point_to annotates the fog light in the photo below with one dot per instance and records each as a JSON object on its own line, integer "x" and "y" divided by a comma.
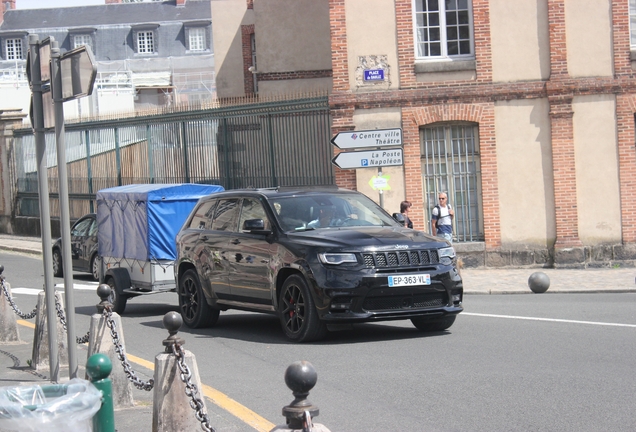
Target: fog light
{"x": 340, "y": 306}
{"x": 457, "y": 298}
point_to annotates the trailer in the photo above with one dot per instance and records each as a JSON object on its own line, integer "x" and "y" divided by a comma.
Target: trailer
{"x": 136, "y": 229}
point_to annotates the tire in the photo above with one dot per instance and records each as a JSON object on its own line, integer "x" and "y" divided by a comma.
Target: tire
{"x": 95, "y": 267}
{"x": 297, "y": 312}
{"x": 195, "y": 310}
{"x": 434, "y": 325}
{"x": 116, "y": 298}
{"x": 58, "y": 268}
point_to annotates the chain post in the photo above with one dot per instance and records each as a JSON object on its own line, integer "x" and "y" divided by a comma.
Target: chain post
{"x": 300, "y": 377}
{"x": 103, "y": 292}
{"x": 15, "y": 308}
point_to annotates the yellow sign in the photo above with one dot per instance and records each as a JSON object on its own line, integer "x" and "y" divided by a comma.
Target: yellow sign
{"x": 380, "y": 182}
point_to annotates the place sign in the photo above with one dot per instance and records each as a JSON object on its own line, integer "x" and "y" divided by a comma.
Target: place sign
{"x": 368, "y": 138}
{"x": 368, "y": 159}
{"x": 374, "y": 75}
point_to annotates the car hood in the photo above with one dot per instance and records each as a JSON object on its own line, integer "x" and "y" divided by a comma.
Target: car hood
{"x": 376, "y": 237}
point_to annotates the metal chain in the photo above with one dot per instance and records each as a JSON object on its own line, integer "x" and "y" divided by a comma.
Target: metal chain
{"x": 13, "y": 305}
{"x": 62, "y": 317}
{"x": 191, "y": 389}
{"x": 308, "y": 423}
{"x": 108, "y": 315}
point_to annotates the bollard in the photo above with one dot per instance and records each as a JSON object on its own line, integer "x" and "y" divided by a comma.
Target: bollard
{"x": 8, "y": 322}
{"x": 40, "y": 353}
{"x": 174, "y": 400}
{"x": 98, "y": 367}
{"x": 301, "y": 377}
{"x": 101, "y": 341}
{"x": 539, "y": 282}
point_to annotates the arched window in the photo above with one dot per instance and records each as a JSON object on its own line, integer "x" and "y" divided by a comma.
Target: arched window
{"x": 451, "y": 163}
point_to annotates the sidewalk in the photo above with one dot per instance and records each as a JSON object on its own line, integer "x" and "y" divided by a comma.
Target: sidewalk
{"x": 476, "y": 281}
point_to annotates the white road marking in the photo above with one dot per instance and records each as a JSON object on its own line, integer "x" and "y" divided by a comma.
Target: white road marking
{"x": 550, "y": 320}
{"x": 58, "y": 287}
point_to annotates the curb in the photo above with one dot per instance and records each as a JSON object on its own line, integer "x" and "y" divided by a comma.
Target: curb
{"x": 596, "y": 291}
{"x": 20, "y": 249}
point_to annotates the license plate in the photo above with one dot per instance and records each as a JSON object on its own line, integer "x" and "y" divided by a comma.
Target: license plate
{"x": 415, "y": 279}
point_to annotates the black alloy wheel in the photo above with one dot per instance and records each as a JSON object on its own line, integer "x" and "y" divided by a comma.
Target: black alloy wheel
{"x": 95, "y": 267}
{"x": 195, "y": 311}
{"x": 434, "y": 325}
{"x": 58, "y": 270}
{"x": 297, "y": 313}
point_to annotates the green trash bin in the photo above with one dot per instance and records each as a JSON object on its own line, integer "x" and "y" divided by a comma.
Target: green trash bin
{"x": 52, "y": 408}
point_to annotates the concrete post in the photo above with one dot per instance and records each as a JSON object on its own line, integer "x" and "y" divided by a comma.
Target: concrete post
{"x": 171, "y": 409}
{"x": 101, "y": 341}
{"x": 40, "y": 355}
{"x": 10, "y": 119}
{"x": 8, "y": 322}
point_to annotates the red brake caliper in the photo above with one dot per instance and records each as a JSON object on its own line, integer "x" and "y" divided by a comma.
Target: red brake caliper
{"x": 293, "y": 311}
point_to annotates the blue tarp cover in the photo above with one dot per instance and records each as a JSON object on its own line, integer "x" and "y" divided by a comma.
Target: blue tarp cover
{"x": 141, "y": 221}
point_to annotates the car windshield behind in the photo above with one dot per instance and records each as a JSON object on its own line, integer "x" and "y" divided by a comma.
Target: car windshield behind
{"x": 299, "y": 213}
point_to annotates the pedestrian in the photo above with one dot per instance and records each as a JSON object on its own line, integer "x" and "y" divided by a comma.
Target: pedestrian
{"x": 404, "y": 209}
{"x": 442, "y": 218}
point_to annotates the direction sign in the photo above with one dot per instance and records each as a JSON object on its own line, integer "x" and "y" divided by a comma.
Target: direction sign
{"x": 367, "y": 159}
{"x": 78, "y": 69}
{"x": 366, "y": 139}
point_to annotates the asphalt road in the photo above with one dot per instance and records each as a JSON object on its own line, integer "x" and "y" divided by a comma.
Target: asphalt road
{"x": 562, "y": 362}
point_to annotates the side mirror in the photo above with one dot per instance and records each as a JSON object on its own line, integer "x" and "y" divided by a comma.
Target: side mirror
{"x": 255, "y": 226}
{"x": 399, "y": 217}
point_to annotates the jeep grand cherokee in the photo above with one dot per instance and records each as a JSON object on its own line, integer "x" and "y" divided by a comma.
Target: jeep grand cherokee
{"x": 315, "y": 257}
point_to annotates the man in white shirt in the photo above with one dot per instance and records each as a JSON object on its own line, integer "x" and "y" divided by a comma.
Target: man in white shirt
{"x": 442, "y": 218}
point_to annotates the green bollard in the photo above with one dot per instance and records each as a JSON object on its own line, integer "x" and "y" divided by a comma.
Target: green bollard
{"x": 98, "y": 367}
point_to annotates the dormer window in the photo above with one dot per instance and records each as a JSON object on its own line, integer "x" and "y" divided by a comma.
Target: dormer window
{"x": 145, "y": 38}
{"x": 13, "y": 49}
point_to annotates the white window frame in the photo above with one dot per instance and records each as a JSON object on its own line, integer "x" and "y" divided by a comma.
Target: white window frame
{"x": 632, "y": 24}
{"x": 13, "y": 49}
{"x": 145, "y": 41}
{"x": 197, "y": 39}
{"x": 83, "y": 39}
{"x": 443, "y": 31}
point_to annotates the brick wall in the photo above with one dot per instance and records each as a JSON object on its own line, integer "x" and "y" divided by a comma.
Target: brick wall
{"x": 246, "y": 41}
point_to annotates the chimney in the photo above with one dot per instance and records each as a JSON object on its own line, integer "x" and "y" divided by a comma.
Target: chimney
{"x": 5, "y": 5}
{"x": 181, "y": 2}
{"x": 113, "y": 1}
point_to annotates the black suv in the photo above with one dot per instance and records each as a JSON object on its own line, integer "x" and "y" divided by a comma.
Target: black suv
{"x": 315, "y": 257}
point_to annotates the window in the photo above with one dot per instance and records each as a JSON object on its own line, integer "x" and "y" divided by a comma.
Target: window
{"x": 443, "y": 28}
{"x": 145, "y": 42}
{"x": 203, "y": 215}
{"x": 252, "y": 209}
{"x": 196, "y": 39}
{"x": 226, "y": 216}
{"x": 83, "y": 39}
{"x": 13, "y": 49}
{"x": 451, "y": 163}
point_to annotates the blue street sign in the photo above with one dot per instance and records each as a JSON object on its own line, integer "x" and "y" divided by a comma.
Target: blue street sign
{"x": 374, "y": 75}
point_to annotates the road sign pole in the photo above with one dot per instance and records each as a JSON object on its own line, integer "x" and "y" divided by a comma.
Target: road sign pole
{"x": 381, "y": 191}
{"x": 45, "y": 214}
{"x": 65, "y": 220}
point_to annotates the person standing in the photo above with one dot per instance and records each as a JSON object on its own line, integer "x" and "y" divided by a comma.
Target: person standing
{"x": 404, "y": 209}
{"x": 442, "y": 218}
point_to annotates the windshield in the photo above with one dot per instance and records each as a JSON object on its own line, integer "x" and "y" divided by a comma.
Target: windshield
{"x": 300, "y": 213}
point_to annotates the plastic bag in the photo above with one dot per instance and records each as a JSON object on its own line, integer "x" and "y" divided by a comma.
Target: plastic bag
{"x": 54, "y": 407}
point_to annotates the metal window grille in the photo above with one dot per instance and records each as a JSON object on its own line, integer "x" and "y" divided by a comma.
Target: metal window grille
{"x": 197, "y": 39}
{"x": 145, "y": 42}
{"x": 443, "y": 28}
{"x": 451, "y": 163}
{"x": 13, "y": 49}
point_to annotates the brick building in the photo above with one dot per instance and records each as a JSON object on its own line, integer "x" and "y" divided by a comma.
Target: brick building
{"x": 522, "y": 111}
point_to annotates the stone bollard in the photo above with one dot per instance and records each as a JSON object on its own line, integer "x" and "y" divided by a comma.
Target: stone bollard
{"x": 539, "y": 282}
{"x": 301, "y": 377}
{"x": 8, "y": 322}
{"x": 98, "y": 367}
{"x": 101, "y": 341}
{"x": 40, "y": 354}
{"x": 171, "y": 410}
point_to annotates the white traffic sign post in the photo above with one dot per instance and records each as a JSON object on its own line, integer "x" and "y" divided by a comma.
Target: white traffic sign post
{"x": 366, "y": 139}
{"x": 369, "y": 159}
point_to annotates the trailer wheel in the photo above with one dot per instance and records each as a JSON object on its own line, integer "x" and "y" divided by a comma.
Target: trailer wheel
{"x": 118, "y": 280}
{"x": 195, "y": 310}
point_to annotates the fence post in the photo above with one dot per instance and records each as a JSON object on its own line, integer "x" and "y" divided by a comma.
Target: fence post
{"x": 98, "y": 367}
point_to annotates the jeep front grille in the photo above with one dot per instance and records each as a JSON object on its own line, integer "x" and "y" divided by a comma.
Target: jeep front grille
{"x": 400, "y": 258}
{"x": 420, "y": 301}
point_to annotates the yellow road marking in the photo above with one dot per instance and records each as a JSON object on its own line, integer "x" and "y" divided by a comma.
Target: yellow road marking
{"x": 223, "y": 401}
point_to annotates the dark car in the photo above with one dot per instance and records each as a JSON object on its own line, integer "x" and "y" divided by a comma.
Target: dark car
{"x": 83, "y": 248}
{"x": 316, "y": 257}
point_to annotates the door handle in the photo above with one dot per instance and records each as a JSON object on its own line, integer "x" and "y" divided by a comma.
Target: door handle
{"x": 204, "y": 238}
{"x": 235, "y": 241}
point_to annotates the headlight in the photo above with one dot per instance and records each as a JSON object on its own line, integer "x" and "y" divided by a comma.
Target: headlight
{"x": 337, "y": 258}
{"x": 446, "y": 252}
